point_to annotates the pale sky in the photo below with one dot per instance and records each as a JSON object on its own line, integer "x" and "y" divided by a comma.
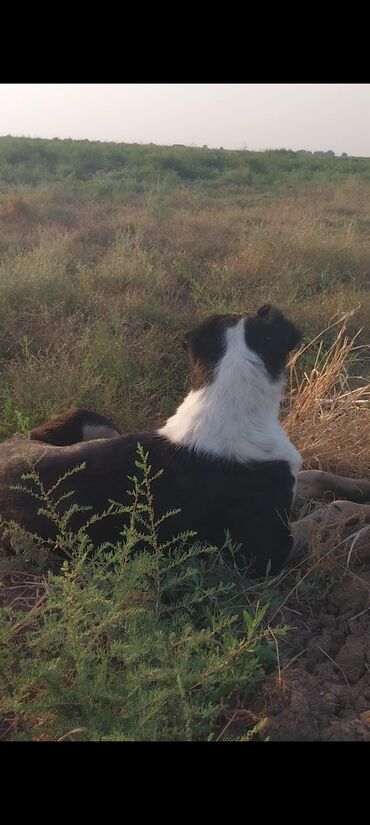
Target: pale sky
{"x": 237, "y": 115}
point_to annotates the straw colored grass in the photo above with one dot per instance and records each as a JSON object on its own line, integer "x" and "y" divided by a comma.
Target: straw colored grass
{"x": 327, "y": 414}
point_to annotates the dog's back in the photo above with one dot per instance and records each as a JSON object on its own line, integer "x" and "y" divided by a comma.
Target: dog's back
{"x": 252, "y": 502}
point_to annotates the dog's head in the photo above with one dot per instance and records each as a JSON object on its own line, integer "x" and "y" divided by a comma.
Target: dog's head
{"x": 266, "y": 337}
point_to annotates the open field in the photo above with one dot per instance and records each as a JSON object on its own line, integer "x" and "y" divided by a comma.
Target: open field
{"x": 107, "y": 254}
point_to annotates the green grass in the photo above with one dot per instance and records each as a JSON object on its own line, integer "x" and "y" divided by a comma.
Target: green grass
{"x": 127, "y": 643}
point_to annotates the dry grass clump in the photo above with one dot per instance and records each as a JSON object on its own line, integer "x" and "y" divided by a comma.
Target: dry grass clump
{"x": 327, "y": 415}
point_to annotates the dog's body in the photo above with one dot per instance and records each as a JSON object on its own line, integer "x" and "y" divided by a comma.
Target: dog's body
{"x": 252, "y": 502}
{"x": 227, "y": 463}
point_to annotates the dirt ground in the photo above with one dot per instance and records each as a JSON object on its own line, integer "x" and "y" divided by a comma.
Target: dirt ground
{"x": 322, "y": 690}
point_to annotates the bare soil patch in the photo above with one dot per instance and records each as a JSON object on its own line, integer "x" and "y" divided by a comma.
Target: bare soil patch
{"x": 322, "y": 690}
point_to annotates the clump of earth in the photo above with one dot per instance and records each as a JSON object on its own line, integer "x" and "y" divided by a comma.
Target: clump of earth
{"x": 322, "y": 689}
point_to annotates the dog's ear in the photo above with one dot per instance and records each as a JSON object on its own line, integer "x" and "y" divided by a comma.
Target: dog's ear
{"x": 264, "y": 310}
{"x": 272, "y": 336}
{"x": 205, "y": 345}
{"x": 283, "y": 332}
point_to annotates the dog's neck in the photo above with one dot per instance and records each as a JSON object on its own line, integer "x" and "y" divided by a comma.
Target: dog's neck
{"x": 235, "y": 416}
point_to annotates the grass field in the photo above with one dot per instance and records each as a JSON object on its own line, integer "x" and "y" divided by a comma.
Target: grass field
{"x": 107, "y": 254}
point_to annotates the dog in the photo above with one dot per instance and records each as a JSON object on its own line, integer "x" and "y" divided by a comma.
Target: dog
{"x": 227, "y": 463}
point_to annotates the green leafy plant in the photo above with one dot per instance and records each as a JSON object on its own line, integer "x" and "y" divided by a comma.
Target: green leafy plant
{"x": 142, "y": 640}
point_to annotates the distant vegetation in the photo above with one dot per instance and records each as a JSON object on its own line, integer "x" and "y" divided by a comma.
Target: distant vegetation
{"x": 121, "y": 168}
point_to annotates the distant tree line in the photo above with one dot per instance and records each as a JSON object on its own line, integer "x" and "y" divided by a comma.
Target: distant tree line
{"x": 320, "y": 154}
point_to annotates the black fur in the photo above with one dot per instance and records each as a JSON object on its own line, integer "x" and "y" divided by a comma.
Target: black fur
{"x": 252, "y": 502}
{"x": 268, "y": 333}
{"x": 205, "y": 345}
{"x": 272, "y": 336}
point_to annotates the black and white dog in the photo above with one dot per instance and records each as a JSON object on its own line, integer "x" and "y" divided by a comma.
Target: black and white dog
{"x": 227, "y": 463}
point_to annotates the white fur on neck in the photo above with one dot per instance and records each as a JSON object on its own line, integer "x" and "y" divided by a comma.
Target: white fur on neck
{"x": 236, "y": 415}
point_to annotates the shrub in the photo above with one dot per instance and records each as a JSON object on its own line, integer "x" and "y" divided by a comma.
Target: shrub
{"x": 137, "y": 641}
